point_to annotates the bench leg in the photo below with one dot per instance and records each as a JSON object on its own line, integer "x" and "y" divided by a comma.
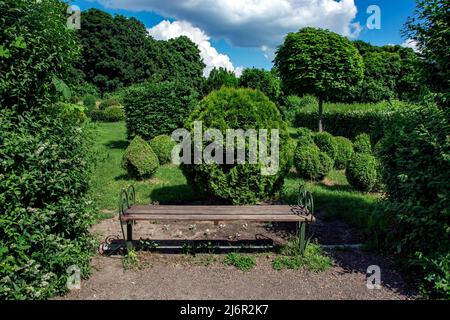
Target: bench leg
{"x": 302, "y": 236}
{"x": 129, "y": 236}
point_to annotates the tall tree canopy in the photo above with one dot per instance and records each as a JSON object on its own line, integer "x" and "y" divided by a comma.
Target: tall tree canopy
{"x": 319, "y": 62}
{"x": 220, "y": 77}
{"x": 266, "y": 81}
{"x": 430, "y": 28}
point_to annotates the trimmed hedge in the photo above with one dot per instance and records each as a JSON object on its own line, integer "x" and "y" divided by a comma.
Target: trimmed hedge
{"x": 344, "y": 152}
{"x": 111, "y": 114}
{"x": 311, "y": 163}
{"x": 416, "y": 173}
{"x": 154, "y": 109}
{"x": 105, "y": 104}
{"x": 230, "y": 108}
{"x": 139, "y": 159}
{"x": 348, "y": 124}
{"x": 326, "y": 143}
{"x": 362, "y": 172}
{"x": 163, "y": 146}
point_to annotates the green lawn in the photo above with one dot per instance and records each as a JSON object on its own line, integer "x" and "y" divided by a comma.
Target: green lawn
{"x": 333, "y": 196}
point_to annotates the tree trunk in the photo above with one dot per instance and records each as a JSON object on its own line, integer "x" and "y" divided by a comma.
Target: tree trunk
{"x": 320, "y": 113}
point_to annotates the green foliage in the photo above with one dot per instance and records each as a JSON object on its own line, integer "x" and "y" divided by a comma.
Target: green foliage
{"x": 362, "y": 144}
{"x": 111, "y": 102}
{"x": 130, "y": 260}
{"x": 416, "y": 172}
{"x": 304, "y": 136}
{"x": 154, "y": 109}
{"x": 90, "y": 102}
{"x": 263, "y": 80}
{"x": 72, "y": 112}
{"x": 311, "y": 163}
{"x": 44, "y": 154}
{"x": 350, "y": 120}
{"x": 430, "y": 27}
{"x": 163, "y": 146}
{"x": 242, "y": 262}
{"x": 230, "y": 108}
{"x": 362, "y": 172}
{"x": 344, "y": 152}
{"x": 326, "y": 143}
{"x": 295, "y": 104}
{"x": 219, "y": 78}
{"x": 313, "y": 259}
{"x": 110, "y": 114}
{"x": 139, "y": 159}
{"x": 30, "y": 60}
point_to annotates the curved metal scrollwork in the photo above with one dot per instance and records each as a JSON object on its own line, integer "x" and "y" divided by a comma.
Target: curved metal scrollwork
{"x": 127, "y": 198}
{"x": 305, "y": 200}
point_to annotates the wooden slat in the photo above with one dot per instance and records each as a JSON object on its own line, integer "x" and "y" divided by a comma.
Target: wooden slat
{"x": 216, "y": 217}
{"x": 213, "y": 210}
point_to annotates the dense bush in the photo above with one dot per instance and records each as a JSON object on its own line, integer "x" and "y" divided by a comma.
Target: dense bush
{"x": 416, "y": 172}
{"x": 344, "y": 152}
{"x": 220, "y": 77}
{"x": 111, "y": 102}
{"x": 110, "y": 114}
{"x": 311, "y": 163}
{"x": 90, "y": 102}
{"x": 263, "y": 80}
{"x": 163, "y": 146}
{"x": 72, "y": 112}
{"x": 294, "y": 104}
{"x": 244, "y": 109}
{"x": 139, "y": 159}
{"x": 305, "y": 136}
{"x": 326, "y": 143}
{"x": 153, "y": 109}
{"x": 362, "y": 144}
{"x": 362, "y": 172}
{"x": 44, "y": 155}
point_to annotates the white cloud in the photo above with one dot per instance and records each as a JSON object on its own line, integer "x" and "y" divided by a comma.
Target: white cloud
{"x": 252, "y": 23}
{"x": 410, "y": 43}
{"x": 168, "y": 30}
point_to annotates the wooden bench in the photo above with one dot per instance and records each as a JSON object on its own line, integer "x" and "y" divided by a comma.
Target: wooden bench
{"x": 302, "y": 213}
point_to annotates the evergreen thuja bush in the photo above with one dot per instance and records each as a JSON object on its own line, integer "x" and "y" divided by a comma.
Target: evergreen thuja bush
{"x": 230, "y": 108}
{"x": 139, "y": 159}
{"x": 163, "y": 146}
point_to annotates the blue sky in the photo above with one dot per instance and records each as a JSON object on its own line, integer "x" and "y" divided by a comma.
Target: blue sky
{"x": 244, "y": 33}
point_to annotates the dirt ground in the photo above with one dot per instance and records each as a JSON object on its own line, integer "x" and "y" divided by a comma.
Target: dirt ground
{"x": 204, "y": 276}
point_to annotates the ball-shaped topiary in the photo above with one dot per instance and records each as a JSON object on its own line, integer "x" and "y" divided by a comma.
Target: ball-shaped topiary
{"x": 139, "y": 159}
{"x": 305, "y": 136}
{"x": 344, "y": 152}
{"x": 311, "y": 163}
{"x": 362, "y": 172}
{"x": 162, "y": 146}
{"x": 326, "y": 143}
{"x": 244, "y": 109}
{"x": 362, "y": 144}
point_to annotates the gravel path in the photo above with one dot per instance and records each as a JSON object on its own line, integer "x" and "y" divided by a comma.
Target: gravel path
{"x": 177, "y": 276}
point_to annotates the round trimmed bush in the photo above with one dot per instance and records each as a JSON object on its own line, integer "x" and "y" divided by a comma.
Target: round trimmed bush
{"x": 305, "y": 136}
{"x": 362, "y": 172}
{"x": 231, "y": 108}
{"x": 326, "y": 143}
{"x": 344, "y": 152}
{"x": 163, "y": 146}
{"x": 111, "y": 114}
{"x": 311, "y": 163}
{"x": 139, "y": 159}
{"x": 362, "y": 144}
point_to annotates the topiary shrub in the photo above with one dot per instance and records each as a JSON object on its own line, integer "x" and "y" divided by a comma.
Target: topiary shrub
{"x": 163, "y": 146}
{"x": 139, "y": 159}
{"x": 108, "y": 103}
{"x": 362, "y": 144}
{"x": 326, "y": 143}
{"x": 311, "y": 163}
{"x": 344, "y": 152}
{"x": 89, "y": 102}
{"x": 153, "y": 109}
{"x": 362, "y": 173}
{"x": 305, "y": 136}
{"x": 416, "y": 173}
{"x": 230, "y": 108}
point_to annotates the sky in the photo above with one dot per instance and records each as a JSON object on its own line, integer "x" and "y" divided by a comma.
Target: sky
{"x": 238, "y": 34}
